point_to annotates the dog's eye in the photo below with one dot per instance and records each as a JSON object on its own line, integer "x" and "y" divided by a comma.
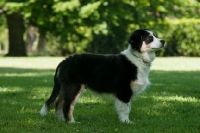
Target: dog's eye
{"x": 149, "y": 38}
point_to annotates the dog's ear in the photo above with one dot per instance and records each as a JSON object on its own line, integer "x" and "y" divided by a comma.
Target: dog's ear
{"x": 136, "y": 39}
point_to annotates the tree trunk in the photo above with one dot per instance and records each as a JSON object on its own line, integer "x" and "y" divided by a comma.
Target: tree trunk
{"x": 16, "y": 30}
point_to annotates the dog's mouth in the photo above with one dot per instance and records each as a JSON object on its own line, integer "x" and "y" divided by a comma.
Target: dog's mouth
{"x": 159, "y": 48}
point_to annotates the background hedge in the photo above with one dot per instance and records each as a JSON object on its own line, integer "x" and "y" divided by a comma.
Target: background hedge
{"x": 182, "y": 39}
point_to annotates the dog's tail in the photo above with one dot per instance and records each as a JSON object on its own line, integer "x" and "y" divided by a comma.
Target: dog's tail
{"x": 54, "y": 94}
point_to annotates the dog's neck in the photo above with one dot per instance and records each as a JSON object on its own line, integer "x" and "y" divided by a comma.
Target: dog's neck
{"x": 144, "y": 58}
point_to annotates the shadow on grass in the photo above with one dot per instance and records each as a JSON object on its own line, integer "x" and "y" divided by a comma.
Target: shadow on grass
{"x": 185, "y": 83}
{"x": 25, "y": 78}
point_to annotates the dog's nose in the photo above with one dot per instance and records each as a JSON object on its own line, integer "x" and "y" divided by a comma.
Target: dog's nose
{"x": 162, "y": 41}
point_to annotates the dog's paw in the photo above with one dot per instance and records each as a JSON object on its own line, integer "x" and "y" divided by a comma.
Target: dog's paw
{"x": 59, "y": 115}
{"x": 44, "y": 110}
{"x": 73, "y": 122}
{"x": 127, "y": 121}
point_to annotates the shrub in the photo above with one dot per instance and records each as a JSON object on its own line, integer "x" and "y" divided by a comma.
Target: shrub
{"x": 182, "y": 37}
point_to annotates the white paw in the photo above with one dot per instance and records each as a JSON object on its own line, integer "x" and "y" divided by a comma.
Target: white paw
{"x": 44, "y": 110}
{"x": 128, "y": 121}
{"x": 59, "y": 115}
{"x": 73, "y": 122}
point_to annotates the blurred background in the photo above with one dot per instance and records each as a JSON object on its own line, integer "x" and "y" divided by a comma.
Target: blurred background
{"x": 64, "y": 27}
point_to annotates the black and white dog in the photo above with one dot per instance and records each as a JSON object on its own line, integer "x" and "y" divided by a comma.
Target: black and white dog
{"x": 124, "y": 75}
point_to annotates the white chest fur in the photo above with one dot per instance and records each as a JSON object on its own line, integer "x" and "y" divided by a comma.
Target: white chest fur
{"x": 142, "y": 81}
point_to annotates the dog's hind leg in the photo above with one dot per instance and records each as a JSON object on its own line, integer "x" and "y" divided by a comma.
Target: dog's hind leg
{"x": 71, "y": 95}
{"x": 59, "y": 107}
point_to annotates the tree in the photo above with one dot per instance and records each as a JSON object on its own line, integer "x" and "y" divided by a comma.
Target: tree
{"x": 16, "y": 31}
{"x": 30, "y": 12}
{"x": 16, "y": 28}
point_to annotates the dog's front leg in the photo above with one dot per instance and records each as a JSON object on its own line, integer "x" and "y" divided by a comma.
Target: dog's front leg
{"x": 123, "y": 110}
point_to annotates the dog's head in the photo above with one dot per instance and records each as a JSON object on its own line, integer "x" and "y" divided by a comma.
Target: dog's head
{"x": 145, "y": 41}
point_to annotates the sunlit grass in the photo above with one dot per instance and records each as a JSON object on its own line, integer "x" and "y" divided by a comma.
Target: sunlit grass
{"x": 177, "y": 98}
{"x": 176, "y": 64}
{"x": 31, "y": 62}
{"x": 170, "y": 104}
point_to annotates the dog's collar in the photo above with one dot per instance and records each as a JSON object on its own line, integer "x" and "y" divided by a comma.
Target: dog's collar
{"x": 142, "y": 60}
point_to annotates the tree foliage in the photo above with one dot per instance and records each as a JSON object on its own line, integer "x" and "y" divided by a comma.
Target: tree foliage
{"x": 97, "y": 26}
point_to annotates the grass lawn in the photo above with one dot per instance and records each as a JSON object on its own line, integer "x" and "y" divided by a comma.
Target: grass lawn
{"x": 171, "y": 104}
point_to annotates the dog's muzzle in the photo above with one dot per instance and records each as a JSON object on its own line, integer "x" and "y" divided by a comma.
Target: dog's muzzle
{"x": 162, "y": 43}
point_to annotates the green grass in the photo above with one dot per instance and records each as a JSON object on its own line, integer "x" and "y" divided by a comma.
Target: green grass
{"x": 171, "y": 104}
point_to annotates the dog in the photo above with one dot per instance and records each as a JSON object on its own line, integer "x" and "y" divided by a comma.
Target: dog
{"x": 124, "y": 75}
